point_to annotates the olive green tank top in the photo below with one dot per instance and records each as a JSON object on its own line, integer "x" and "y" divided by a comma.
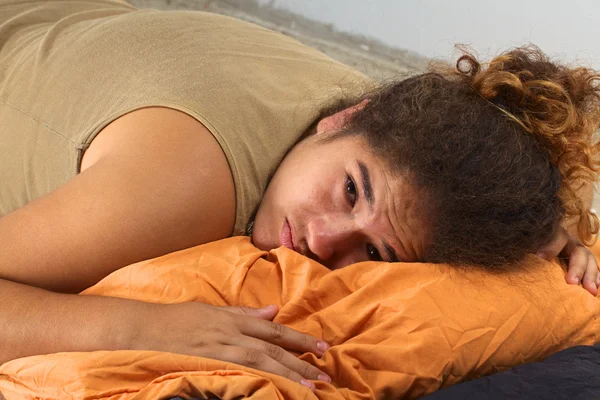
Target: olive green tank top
{"x": 68, "y": 68}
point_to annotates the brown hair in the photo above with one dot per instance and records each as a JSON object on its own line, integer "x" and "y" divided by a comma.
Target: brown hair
{"x": 498, "y": 151}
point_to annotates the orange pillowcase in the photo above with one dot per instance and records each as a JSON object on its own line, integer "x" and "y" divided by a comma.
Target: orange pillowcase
{"x": 403, "y": 329}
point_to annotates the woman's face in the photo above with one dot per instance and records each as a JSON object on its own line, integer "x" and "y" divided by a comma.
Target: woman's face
{"x": 335, "y": 202}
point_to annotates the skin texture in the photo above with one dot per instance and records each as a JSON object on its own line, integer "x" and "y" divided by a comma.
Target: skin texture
{"x": 501, "y": 147}
{"x": 156, "y": 181}
{"x": 326, "y": 205}
{"x": 151, "y": 178}
{"x": 582, "y": 267}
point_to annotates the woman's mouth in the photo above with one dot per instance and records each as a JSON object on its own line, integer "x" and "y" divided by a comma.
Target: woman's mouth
{"x": 285, "y": 236}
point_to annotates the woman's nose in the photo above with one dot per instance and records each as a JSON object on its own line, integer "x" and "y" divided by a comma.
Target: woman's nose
{"x": 331, "y": 236}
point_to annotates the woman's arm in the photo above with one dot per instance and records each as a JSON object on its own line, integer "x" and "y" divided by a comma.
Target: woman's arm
{"x": 36, "y": 321}
{"x": 155, "y": 181}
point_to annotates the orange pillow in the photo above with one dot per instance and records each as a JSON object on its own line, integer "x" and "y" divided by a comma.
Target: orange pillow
{"x": 403, "y": 329}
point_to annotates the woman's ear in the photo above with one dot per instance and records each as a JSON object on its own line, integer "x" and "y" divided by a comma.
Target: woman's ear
{"x": 337, "y": 121}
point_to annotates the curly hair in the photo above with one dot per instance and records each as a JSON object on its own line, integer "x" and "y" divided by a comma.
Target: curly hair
{"x": 499, "y": 151}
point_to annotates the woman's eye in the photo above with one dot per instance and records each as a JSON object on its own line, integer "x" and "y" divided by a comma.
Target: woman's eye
{"x": 350, "y": 190}
{"x": 373, "y": 253}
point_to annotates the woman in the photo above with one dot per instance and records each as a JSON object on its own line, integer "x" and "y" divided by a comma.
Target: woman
{"x": 130, "y": 134}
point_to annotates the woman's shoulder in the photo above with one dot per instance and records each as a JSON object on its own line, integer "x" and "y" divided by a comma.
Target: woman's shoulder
{"x": 174, "y": 170}
{"x": 155, "y": 129}
{"x": 156, "y": 181}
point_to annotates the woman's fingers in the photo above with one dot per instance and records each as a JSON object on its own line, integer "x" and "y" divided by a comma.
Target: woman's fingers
{"x": 578, "y": 262}
{"x": 582, "y": 267}
{"x": 268, "y": 312}
{"x": 242, "y": 335}
{"x": 269, "y": 338}
{"x": 260, "y": 326}
{"x": 591, "y": 275}
{"x": 256, "y": 359}
{"x": 282, "y": 336}
{"x": 261, "y": 346}
{"x": 277, "y": 353}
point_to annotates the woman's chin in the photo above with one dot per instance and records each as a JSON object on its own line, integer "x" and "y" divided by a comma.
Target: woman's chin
{"x": 260, "y": 241}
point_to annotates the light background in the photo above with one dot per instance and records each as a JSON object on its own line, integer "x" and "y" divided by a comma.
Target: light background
{"x": 569, "y": 30}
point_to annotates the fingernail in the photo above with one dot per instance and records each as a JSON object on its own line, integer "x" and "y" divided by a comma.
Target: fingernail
{"x": 543, "y": 255}
{"x": 323, "y": 377}
{"x": 270, "y": 307}
{"x": 308, "y": 384}
{"x": 322, "y": 346}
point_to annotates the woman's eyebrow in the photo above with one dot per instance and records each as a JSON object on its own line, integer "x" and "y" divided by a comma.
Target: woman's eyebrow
{"x": 368, "y": 193}
{"x": 366, "y": 183}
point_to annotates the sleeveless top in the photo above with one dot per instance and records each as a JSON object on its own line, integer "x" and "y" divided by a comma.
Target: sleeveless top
{"x": 70, "y": 67}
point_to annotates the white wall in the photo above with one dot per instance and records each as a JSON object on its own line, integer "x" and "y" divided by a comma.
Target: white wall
{"x": 568, "y": 29}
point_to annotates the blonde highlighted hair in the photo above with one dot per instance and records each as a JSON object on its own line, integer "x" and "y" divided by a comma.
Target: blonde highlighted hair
{"x": 559, "y": 106}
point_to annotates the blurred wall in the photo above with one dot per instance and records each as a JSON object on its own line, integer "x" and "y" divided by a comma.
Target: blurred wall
{"x": 569, "y": 30}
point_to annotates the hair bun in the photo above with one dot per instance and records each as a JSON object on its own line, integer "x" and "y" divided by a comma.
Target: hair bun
{"x": 557, "y": 104}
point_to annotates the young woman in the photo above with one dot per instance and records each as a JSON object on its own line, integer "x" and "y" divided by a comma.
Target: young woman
{"x": 128, "y": 134}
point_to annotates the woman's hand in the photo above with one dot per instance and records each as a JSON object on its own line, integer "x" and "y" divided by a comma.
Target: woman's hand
{"x": 242, "y": 335}
{"x": 582, "y": 266}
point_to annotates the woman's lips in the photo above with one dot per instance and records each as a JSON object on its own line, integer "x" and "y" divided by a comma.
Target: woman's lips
{"x": 285, "y": 237}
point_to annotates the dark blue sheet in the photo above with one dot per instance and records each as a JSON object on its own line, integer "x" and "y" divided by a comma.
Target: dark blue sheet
{"x": 570, "y": 374}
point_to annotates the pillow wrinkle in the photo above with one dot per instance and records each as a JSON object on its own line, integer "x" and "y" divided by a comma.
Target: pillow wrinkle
{"x": 406, "y": 329}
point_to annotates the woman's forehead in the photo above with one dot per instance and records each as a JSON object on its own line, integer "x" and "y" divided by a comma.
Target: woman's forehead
{"x": 398, "y": 204}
